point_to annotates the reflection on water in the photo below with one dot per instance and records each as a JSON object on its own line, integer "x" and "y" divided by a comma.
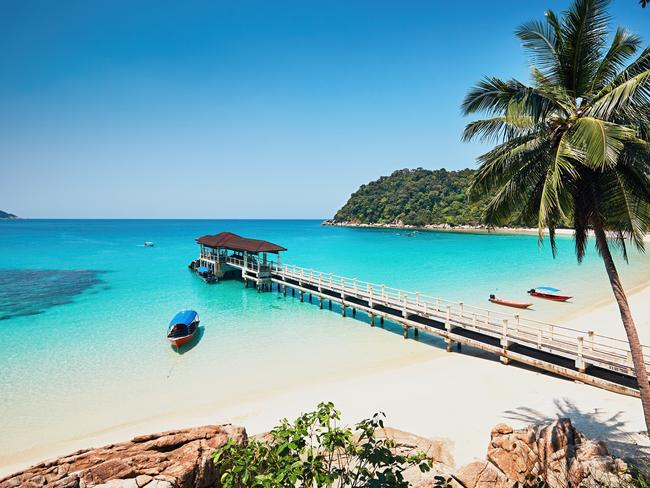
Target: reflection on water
{"x": 30, "y": 292}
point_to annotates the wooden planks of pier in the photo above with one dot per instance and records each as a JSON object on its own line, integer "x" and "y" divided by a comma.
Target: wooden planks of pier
{"x": 583, "y": 356}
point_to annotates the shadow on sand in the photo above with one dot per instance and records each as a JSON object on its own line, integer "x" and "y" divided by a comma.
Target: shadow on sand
{"x": 185, "y": 348}
{"x": 595, "y": 424}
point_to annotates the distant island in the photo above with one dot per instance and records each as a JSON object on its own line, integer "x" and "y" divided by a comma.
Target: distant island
{"x": 5, "y": 215}
{"x": 413, "y": 197}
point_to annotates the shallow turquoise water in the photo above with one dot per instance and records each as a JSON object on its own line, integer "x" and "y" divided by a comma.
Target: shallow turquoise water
{"x": 84, "y": 307}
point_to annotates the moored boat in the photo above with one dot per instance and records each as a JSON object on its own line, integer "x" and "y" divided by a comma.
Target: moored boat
{"x": 206, "y": 274}
{"x": 182, "y": 327}
{"x": 509, "y": 303}
{"x": 548, "y": 293}
{"x": 148, "y": 244}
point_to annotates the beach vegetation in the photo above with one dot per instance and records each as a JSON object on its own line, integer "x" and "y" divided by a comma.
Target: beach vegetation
{"x": 573, "y": 144}
{"x": 315, "y": 450}
{"x": 415, "y": 197}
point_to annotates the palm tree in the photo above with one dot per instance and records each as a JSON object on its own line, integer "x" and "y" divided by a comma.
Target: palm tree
{"x": 572, "y": 147}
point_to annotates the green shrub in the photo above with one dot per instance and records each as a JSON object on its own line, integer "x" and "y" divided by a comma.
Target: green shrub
{"x": 315, "y": 451}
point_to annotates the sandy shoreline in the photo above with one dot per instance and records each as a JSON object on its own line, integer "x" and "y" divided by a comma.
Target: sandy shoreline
{"x": 462, "y": 229}
{"x": 454, "y": 396}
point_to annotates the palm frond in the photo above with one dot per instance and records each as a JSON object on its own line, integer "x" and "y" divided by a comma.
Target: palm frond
{"x": 584, "y": 30}
{"x": 498, "y": 128}
{"x": 615, "y": 100}
{"x": 601, "y": 141}
{"x": 541, "y": 41}
{"x": 623, "y": 46}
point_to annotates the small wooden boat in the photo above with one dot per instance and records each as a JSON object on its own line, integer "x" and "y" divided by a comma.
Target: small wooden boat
{"x": 182, "y": 327}
{"x": 205, "y": 274}
{"x": 509, "y": 303}
{"x": 548, "y": 293}
{"x": 148, "y": 244}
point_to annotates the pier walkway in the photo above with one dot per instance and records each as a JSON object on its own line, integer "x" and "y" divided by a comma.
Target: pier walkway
{"x": 584, "y": 356}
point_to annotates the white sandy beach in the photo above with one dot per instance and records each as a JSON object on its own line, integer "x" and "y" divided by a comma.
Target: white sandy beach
{"x": 450, "y": 395}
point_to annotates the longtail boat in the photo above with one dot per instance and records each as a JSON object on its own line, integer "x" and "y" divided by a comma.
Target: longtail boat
{"x": 548, "y": 293}
{"x": 182, "y": 327}
{"x": 509, "y": 303}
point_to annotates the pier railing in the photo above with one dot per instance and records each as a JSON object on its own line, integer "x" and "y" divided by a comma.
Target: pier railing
{"x": 584, "y": 347}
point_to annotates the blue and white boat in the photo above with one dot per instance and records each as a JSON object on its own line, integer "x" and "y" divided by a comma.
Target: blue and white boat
{"x": 182, "y": 327}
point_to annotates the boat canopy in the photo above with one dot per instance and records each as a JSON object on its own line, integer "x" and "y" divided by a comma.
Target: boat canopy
{"x": 202, "y": 269}
{"x": 185, "y": 317}
{"x": 547, "y": 288}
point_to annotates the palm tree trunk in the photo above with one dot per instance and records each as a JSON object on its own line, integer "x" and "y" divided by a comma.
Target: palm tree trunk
{"x": 628, "y": 323}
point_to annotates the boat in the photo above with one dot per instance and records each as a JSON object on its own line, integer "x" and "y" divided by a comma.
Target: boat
{"x": 182, "y": 327}
{"x": 148, "y": 244}
{"x": 548, "y": 293}
{"x": 509, "y": 303}
{"x": 205, "y": 274}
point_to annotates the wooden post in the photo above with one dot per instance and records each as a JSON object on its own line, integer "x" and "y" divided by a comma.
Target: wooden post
{"x": 381, "y": 320}
{"x": 504, "y": 342}
{"x": 590, "y": 334}
{"x": 448, "y": 318}
{"x": 354, "y": 312}
{"x": 284, "y": 290}
{"x": 461, "y": 309}
{"x": 406, "y": 331}
{"x": 580, "y": 363}
{"x": 310, "y": 297}
{"x": 416, "y": 332}
{"x": 372, "y": 320}
{"x": 293, "y": 292}
{"x": 330, "y": 304}
{"x": 320, "y": 303}
{"x": 302, "y": 297}
{"x": 343, "y": 312}
{"x": 449, "y": 344}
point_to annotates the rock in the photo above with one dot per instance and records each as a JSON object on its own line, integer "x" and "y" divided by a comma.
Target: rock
{"x": 482, "y": 474}
{"x": 557, "y": 453}
{"x": 173, "y": 459}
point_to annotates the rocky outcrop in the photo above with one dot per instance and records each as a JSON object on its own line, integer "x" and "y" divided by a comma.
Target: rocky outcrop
{"x": 174, "y": 459}
{"x": 556, "y": 453}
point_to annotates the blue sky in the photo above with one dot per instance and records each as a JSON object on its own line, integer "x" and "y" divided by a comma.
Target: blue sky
{"x": 241, "y": 109}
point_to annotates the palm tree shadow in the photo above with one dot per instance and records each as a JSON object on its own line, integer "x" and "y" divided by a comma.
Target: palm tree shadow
{"x": 597, "y": 424}
{"x": 187, "y": 347}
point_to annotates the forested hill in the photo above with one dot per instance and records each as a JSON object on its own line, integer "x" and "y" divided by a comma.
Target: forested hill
{"x": 414, "y": 197}
{"x": 5, "y": 215}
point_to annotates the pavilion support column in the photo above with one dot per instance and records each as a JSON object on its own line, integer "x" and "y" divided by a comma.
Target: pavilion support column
{"x": 293, "y": 292}
{"x": 381, "y": 320}
{"x": 330, "y": 304}
{"x": 284, "y": 290}
{"x": 458, "y": 346}
{"x": 310, "y": 298}
{"x": 343, "y": 311}
{"x": 354, "y": 312}
{"x": 320, "y": 303}
{"x": 302, "y": 296}
{"x": 405, "y": 328}
{"x": 416, "y": 332}
{"x": 450, "y": 343}
{"x": 372, "y": 320}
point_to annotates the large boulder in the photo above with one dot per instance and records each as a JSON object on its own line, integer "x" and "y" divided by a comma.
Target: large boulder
{"x": 173, "y": 459}
{"x": 557, "y": 453}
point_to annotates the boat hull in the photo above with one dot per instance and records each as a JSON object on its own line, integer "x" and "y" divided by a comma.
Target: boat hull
{"x": 509, "y": 303}
{"x": 549, "y": 296}
{"x": 179, "y": 341}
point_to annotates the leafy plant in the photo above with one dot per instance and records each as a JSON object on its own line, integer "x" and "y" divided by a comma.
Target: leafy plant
{"x": 315, "y": 451}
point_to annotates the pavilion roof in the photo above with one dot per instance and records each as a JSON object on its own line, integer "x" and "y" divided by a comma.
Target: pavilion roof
{"x": 232, "y": 241}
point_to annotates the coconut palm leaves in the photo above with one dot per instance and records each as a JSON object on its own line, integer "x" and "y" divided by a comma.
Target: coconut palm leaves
{"x": 573, "y": 146}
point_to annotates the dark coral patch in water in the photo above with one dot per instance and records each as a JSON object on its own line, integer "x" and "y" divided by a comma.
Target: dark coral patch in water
{"x": 30, "y": 292}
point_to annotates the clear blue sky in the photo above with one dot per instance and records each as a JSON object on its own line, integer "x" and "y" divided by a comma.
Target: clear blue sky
{"x": 269, "y": 109}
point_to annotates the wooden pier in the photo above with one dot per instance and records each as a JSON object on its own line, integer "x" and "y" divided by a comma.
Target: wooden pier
{"x": 583, "y": 356}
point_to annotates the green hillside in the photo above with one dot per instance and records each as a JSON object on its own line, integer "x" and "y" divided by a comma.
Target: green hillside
{"x": 414, "y": 197}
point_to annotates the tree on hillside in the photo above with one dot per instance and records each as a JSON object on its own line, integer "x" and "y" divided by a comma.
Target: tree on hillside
{"x": 573, "y": 146}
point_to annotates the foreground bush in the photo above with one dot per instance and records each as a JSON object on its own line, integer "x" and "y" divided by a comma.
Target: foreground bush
{"x": 314, "y": 451}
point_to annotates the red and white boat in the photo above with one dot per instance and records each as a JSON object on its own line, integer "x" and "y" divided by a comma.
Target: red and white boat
{"x": 182, "y": 327}
{"x": 509, "y": 303}
{"x": 548, "y": 293}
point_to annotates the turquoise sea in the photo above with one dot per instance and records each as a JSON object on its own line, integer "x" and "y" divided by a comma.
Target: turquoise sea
{"x": 84, "y": 308}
